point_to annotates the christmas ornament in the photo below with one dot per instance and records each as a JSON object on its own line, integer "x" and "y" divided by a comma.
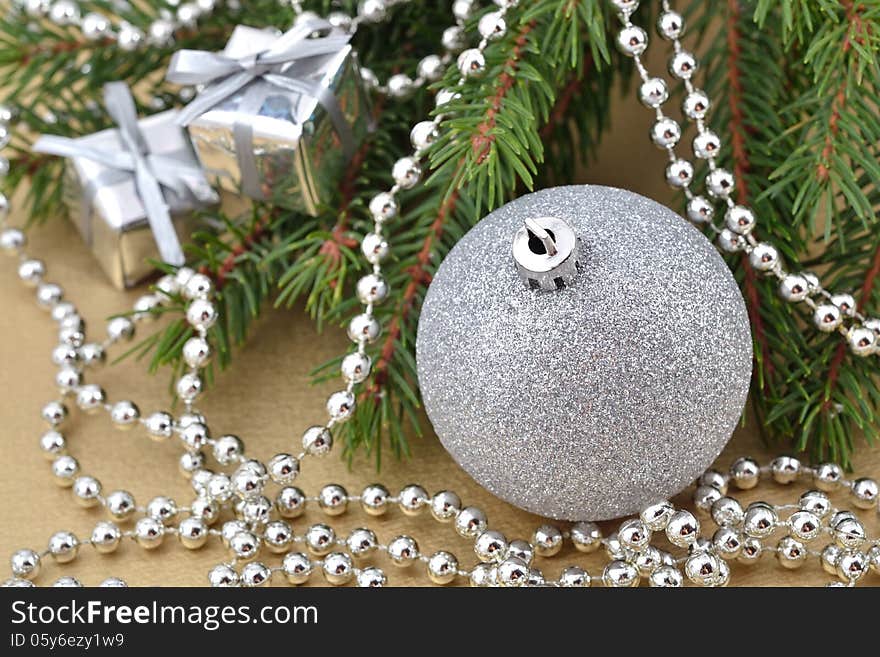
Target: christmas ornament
{"x": 280, "y": 116}
{"x": 601, "y": 366}
{"x": 132, "y": 190}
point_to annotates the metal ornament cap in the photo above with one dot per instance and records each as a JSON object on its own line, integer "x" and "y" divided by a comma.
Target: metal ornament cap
{"x": 591, "y": 401}
{"x": 547, "y": 253}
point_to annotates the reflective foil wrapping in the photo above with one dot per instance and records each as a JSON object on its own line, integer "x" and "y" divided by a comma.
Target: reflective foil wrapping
{"x": 591, "y": 401}
{"x": 297, "y": 151}
{"x": 106, "y": 208}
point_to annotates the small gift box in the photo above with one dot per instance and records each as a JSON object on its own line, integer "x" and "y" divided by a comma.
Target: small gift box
{"x": 132, "y": 190}
{"x": 279, "y": 115}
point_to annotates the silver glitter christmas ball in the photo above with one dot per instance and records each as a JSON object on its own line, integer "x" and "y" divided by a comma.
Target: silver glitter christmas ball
{"x": 588, "y": 388}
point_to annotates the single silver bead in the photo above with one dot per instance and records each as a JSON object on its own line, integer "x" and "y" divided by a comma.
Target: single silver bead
{"x": 850, "y": 534}
{"x": 65, "y": 469}
{"x": 706, "y": 145}
{"x": 403, "y": 551}
{"x": 149, "y": 533}
{"x": 471, "y": 62}
{"x": 192, "y": 532}
{"x": 25, "y": 564}
{"x": 431, "y": 68}
{"x": 829, "y": 558}
{"x": 223, "y": 575}
{"x": 199, "y": 481}
{"x": 374, "y": 499}
{"x": 219, "y": 488}
{"x": 827, "y": 317}
{"x": 760, "y": 520}
{"x": 445, "y": 506}
{"x": 320, "y": 538}
{"x": 196, "y": 352}
{"x": 245, "y": 545}
{"x": 372, "y": 11}
{"x": 574, "y": 577}
{"x": 383, "y": 206}
{"x": 491, "y": 546}
{"x": 614, "y": 548}
{"x": 160, "y": 33}
{"x": 230, "y": 528}
{"x": 372, "y": 288}
{"x": 839, "y": 516}
{"x": 333, "y": 499}
{"x": 665, "y": 133}
{"x": 683, "y": 65}
{"x": 633, "y": 535}
{"x": 290, "y": 502}
{"x": 92, "y": 354}
{"x": 670, "y": 25}
{"x": 413, "y": 499}
{"x": 64, "y": 354}
{"x": 513, "y": 572}
{"x": 400, "y": 85}
{"x": 679, "y": 173}
{"x": 62, "y": 310}
{"x": 446, "y": 96}
{"x": 375, "y": 248}
{"x": 297, "y": 567}
{"x": 703, "y": 568}
{"x": 653, "y": 92}
{"x": 827, "y": 476}
{"x": 54, "y": 413}
{"x": 124, "y": 414}
{"x": 483, "y": 575}
{"x": 865, "y": 492}
{"x": 741, "y": 220}
{"x": 720, "y": 183}
{"x": 340, "y": 20}
{"x": 48, "y": 294}
{"x": 369, "y": 78}
{"x": 195, "y": 436}
{"x": 87, "y": 491}
{"x": 120, "y": 329}
{"x": 632, "y": 40}
{"x": 463, "y": 9}
{"x": 794, "y": 288}
{"x": 355, "y": 368}
{"x": 682, "y": 529}
{"x": 791, "y": 553}
{"x": 163, "y": 509}
{"x": 64, "y": 12}
{"x": 363, "y": 328}
{"x": 547, "y": 540}
{"x": 492, "y": 26}
{"x": 666, "y": 577}
{"x": 362, "y": 542}
{"x": 63, "y": 546}
{"x": 278, "y": 536}
{"x": 785, "y": 469}
{"x": 72, "y": 321}
{"x": 846, "y": 303}
{"x": 587, "y": 537}
{"x": 625, "y": 7}
{"x": 106, "y": 537}
{"x": 255, "y": 510}
{"x": 167, "y": 286}
{"x": 406, "y": 172}
{"x": 12, "y": 241}
{"x": 522, "y": 550}
{"x": 188, "y": 14}
{"x": 874, "y": 558}
{"x": 727, "y": 512}
{"x": 120, "y": 504}
{"x": 705, "y": 497}
{"x": 647, "y": 560}
{"x": 862, "y": 340}
{"x": 67, "y": 582}
{"x": 442, "y": 567}
{"x": 340, "y": 405}
{"x": 371, "y": 578}
{"x": 852, "y": 566}
{"x": 145, "y": 307}
{"x": 31, "y": 272}
{"x": 316, "y": 440}
{"x": 201, "y": 314}
{"x": 470, "y": 522}
{"x": 804, "y": 525}
{"x": 815, "y": 502}
{"x": 620, "y": 574}
{"x": 90, "y": 398}
{"x": 727, "y": 543}
{"x": 189, "y": 386}
{"x": 714, "y": 479}
{"x": 71, "y": 336}
{"x": 67, "y": 379}
{"x": 751, "y": 550}
{"x": 228, "y": 449}
{"x": 423, "y": 134}
{"x": 129, "y": 37}
{"x": 283, "y": 469}
{"x": 453, "y": 39}
{"x": 745, "y": 473}
{"x": 255, "y": 574}
{"x": 52, "y": 443}
{"x": 113, "y": 583}
{"x": 337, "y": 568}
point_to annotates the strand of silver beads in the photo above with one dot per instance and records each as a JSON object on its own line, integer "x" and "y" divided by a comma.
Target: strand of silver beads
{"x": 831, "y": 312}
{"x": 510, "y": 565}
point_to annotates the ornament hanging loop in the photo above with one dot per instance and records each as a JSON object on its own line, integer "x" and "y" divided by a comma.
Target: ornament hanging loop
{"x": 547, "y": 253}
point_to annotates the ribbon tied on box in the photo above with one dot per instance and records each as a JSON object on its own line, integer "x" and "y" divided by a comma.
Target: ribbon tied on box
{"x": 151, "y": 172}
{"x": 286, "y": 62}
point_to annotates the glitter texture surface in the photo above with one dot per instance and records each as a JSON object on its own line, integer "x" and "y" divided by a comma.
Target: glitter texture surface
{"x": 591, "y": 401}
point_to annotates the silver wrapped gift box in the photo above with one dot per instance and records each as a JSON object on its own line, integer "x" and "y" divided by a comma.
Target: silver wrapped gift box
{"x": 104, "y": 188}
{"x": 279, "y": 116}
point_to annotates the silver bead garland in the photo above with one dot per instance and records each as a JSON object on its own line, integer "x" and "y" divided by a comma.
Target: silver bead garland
{"x": 262, "y": 525}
